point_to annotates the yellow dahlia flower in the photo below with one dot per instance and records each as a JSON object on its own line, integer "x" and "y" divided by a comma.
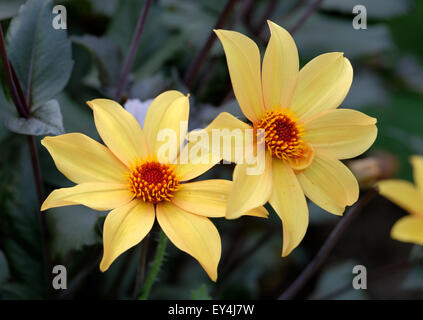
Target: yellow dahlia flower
{"x": 410, "y": 198}
{"x": 133, "y": 179}
{"x": 305, "y": 134}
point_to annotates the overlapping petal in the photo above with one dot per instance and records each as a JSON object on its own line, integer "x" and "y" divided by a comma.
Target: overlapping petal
{"x": 119, "y": 130}
{"x": 208, "y": 198}
{"x": 243, "y": 58}
{"x": 280, "y": 68}
{"x": 322, "y": 84}
{"x": 289, "y": 202}
{"x": 124, "y": 228}
{"x": 166, "y": 124}
{"x": 96, "y": 195}
{"x": 193, "y": 234}
{"x": 82, "y": 159}
{"x": 342, "y": 133}
{"x": 192, "y": 162}
{"x": 408, "y": 229}
{"x": 249, "y": 190}
{"x": 226, "y": 137}
{"x": 403, "y": 194}
{"x": 329, "y": 184}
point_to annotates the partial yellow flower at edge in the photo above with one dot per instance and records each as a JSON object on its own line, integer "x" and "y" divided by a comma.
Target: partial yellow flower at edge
{"x": 410, "y": 198}
{"x": 306, "y": 135}
{"x": 126, "y": 177}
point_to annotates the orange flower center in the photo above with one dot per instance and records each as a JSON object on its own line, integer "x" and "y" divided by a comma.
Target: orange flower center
{"x": 153, "y": 181}
{"x": 282, "y": 137}
{"x": 282, "y": 134}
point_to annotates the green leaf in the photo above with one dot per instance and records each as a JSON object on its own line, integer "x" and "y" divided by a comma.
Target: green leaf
{"x": 19, "y": 213}
{"x": 9, "y": 8}
{"x": 40, "y": 54}
{"x": 202, "y": 293}
{"x": 46, "y": 119}
{"x": 71, "y": 228}
{"x": 107, "y": 56}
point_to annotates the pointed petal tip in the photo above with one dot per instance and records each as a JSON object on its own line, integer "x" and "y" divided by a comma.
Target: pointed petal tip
{"x": 93, "y": 102}
{"x": 272, "y": 25}
{"x": 286, "y": 251}
{"x": 221, "y": 32}
{"x": 45, "y": 140}
{"x": 90, "y": 104}
{"x": 103, "y": 266}
{"x": 44, "y": 207}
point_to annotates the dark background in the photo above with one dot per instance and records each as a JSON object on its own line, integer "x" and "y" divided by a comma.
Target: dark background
{"x": 387, "y": 58}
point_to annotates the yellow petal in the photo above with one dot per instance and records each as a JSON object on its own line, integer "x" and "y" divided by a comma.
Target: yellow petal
{"x": 408, "y": 229}
{"x": 417, "y": 163}
{"x": 280, "y": 68}
{"x": 403, "y": 194}
{"x": 124, "y": 228}
{"x": 243, "y": 58}
{"x": 82, "y": 159}
{"x": 227, "y": 137}
{"x": 329, "y": 184}
{"x": 119, "y": 130}
{"x": 342, "y": 133}
{"x": 322, "y": 84}
{"x": 249, "y": 191}
{"x": 96, "y": 195}
{"x": 193, "y": 234}
{"x": 190, "y": 166}
{"x": 166, "y": 124}
{"x": 208, "y": 198}
{"x": 289, "y": 202}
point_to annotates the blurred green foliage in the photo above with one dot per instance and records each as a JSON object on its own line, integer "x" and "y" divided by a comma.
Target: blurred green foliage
{"x": 64, "y": 68}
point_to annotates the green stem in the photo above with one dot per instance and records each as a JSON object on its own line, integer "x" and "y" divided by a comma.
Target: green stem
{"x": 155, "y": 267}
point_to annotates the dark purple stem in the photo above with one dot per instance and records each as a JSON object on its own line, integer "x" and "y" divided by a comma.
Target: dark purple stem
{"x": 305, "y": 16}
{"x": 24, "y": 111}
{"x": 271, "y": 5}
{"x": 141, "y": 266}
{"x": 20, "y": 106}
{"x": 327, "y": 247}
{"x": 133, "y": 49}
{"x": 195, "y": 66}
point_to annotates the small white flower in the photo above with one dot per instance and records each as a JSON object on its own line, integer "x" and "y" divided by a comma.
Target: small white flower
{"x": 138, "y": 109}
